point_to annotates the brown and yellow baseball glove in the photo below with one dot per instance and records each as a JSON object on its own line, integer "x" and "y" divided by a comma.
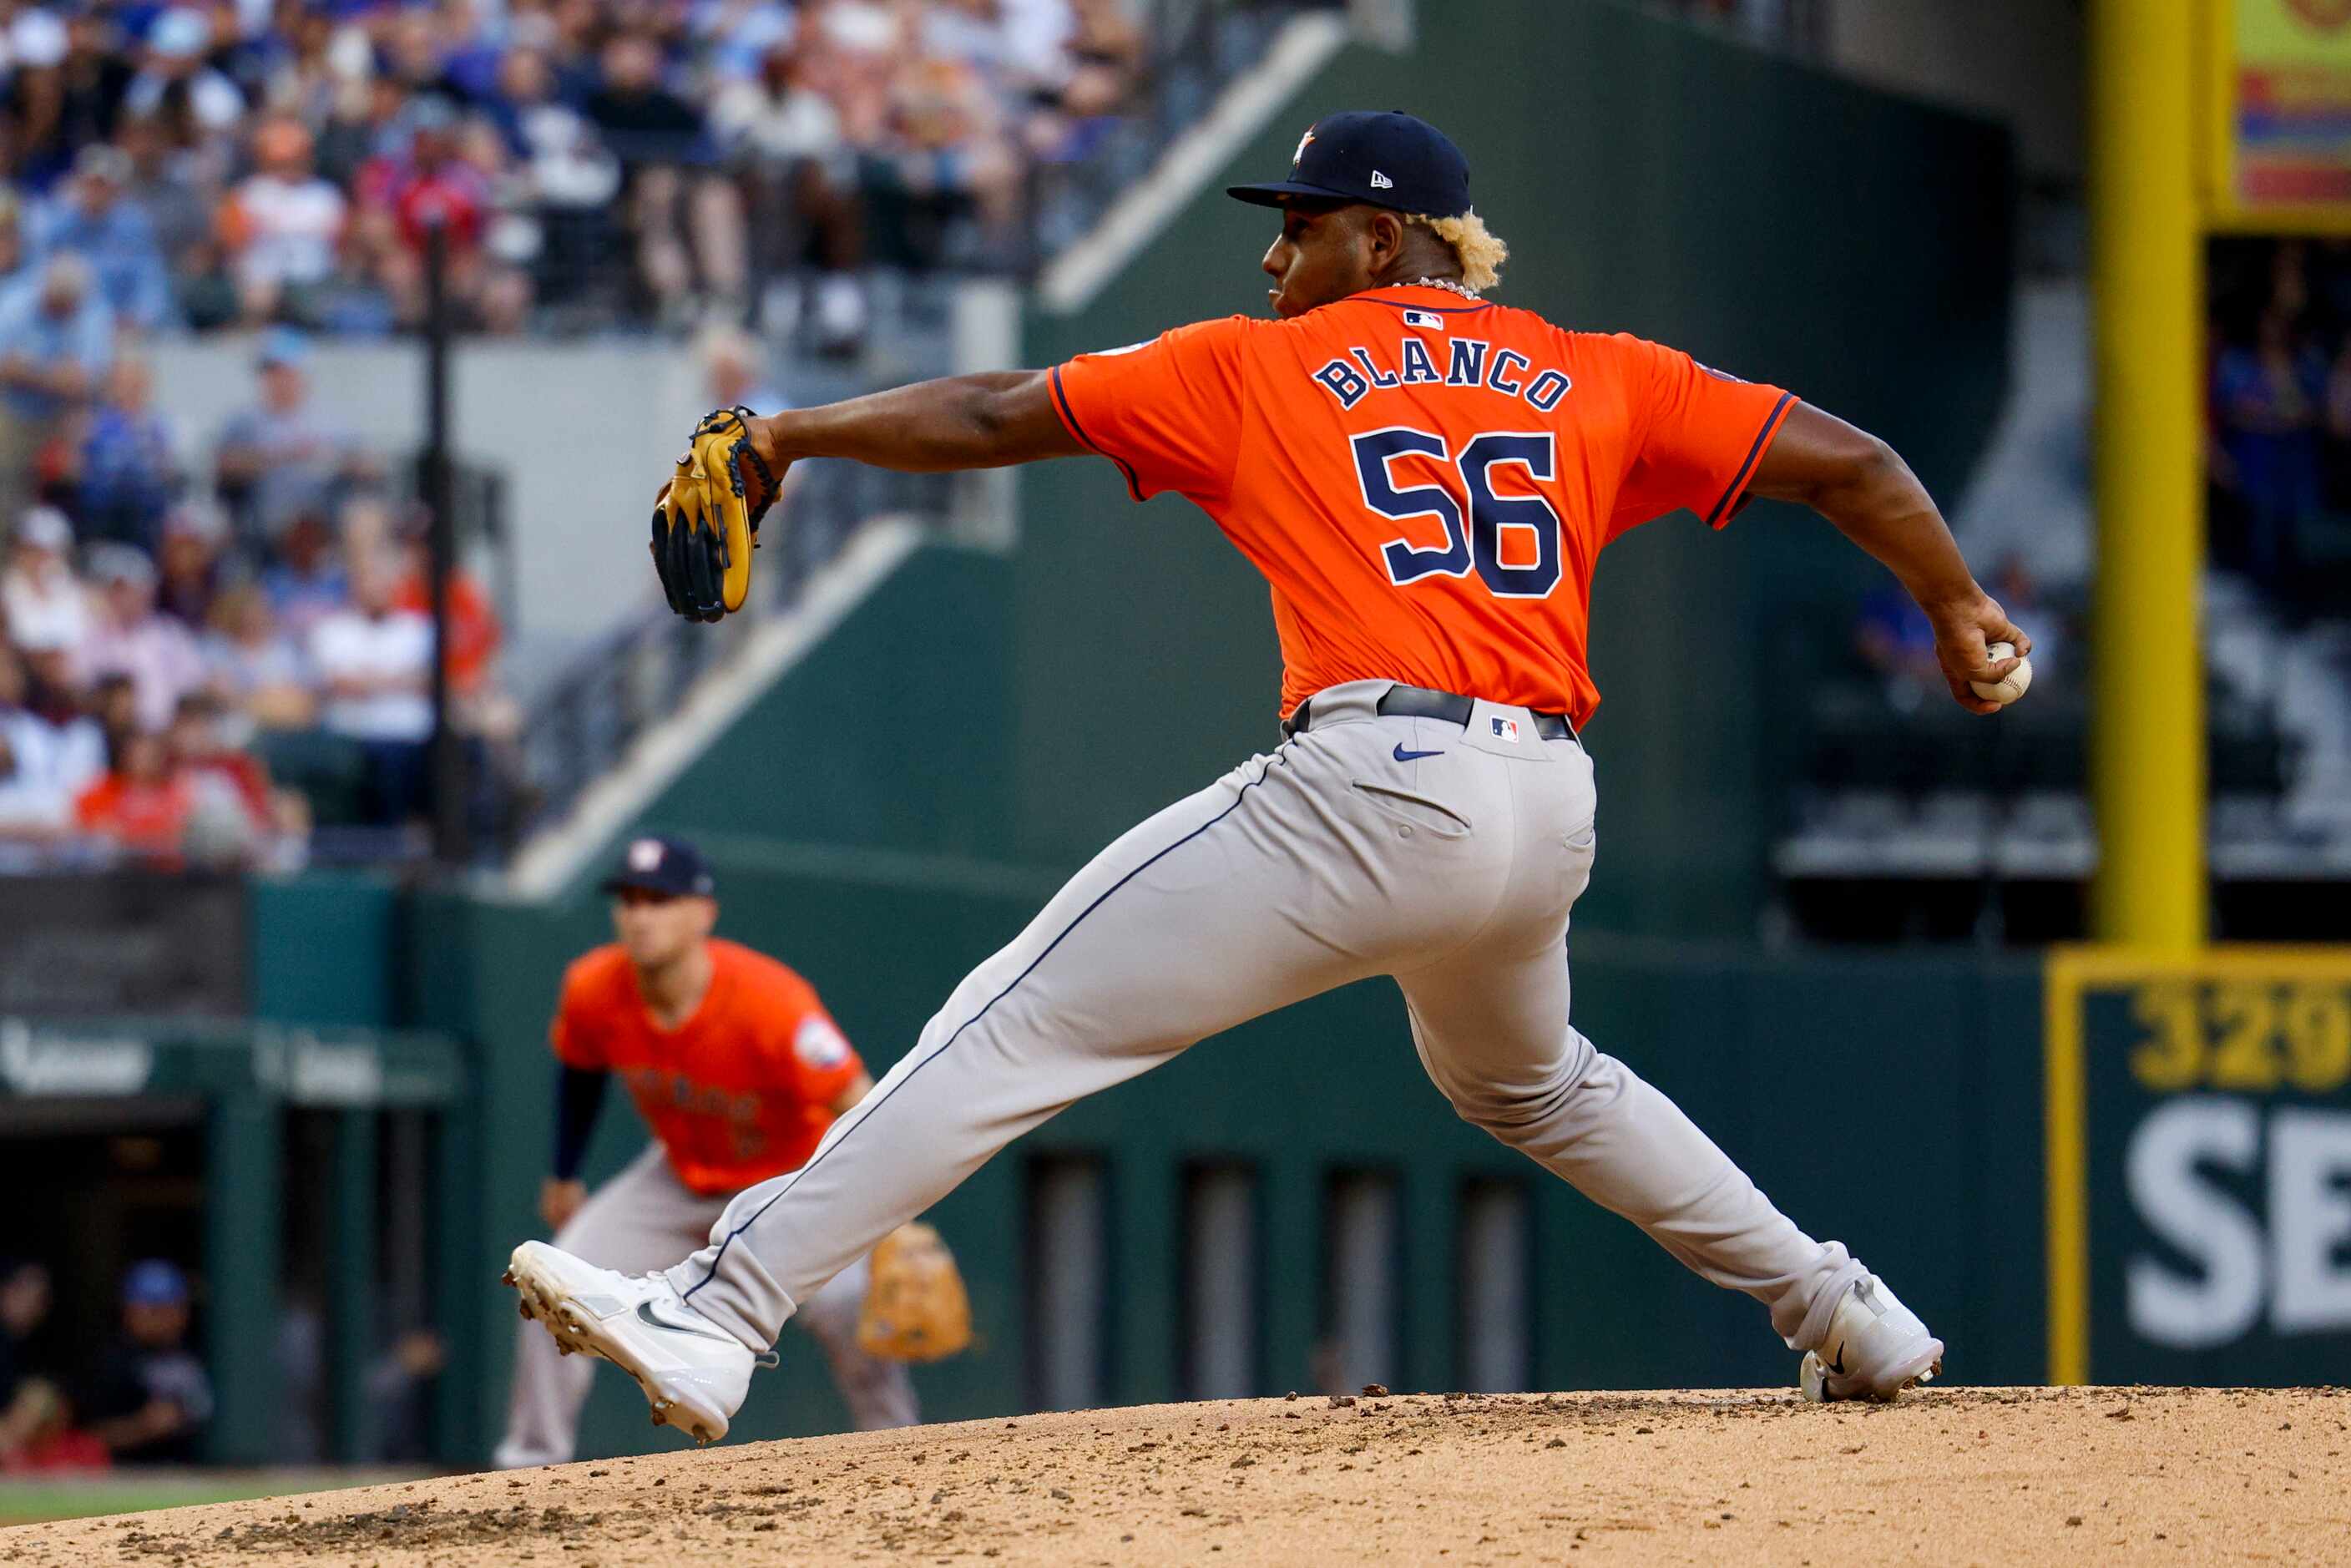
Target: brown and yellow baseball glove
{"x": 707, "y": 517}
{"x": 915, "y": 1308}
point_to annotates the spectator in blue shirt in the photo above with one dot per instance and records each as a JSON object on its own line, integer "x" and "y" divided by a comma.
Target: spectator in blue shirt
{"x": 282, "y": 459}
{"x": 56, "y": 337}
{"x": 97, "y": 219}
{"x": 126, "y": 473}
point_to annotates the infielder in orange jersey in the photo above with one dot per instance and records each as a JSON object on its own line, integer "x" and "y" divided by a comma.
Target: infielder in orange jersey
{"x": 1426, "y": 479}
{"x": 738, "y": 1070}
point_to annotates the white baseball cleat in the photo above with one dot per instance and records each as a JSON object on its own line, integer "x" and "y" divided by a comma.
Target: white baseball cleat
{"x": 1876, "y": 1348}
{"x": 694, "y": 1374}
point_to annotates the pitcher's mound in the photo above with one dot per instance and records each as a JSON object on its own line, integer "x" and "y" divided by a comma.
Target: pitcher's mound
{"x": 2140, "y": 1474}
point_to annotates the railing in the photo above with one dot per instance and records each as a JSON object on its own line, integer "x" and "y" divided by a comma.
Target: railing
{"x": 1197, "y": 48}
{"x": 577, "y": 268}
{"x": 618, "y": 687}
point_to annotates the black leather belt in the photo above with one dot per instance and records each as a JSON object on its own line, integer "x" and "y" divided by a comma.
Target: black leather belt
{"x": 1419, "y": 702}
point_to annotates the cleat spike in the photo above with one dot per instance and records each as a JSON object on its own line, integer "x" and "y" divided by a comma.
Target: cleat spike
{"x": 573, "y": 1301}
{"x": 507, "y": 1278}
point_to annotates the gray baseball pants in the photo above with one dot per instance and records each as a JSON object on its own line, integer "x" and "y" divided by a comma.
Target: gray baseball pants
{"x": 635, "y": 1223}
{"x": 1338, "y": 857}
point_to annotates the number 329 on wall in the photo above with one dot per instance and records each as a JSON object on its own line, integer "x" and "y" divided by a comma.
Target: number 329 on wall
{"x": 2247, "y": 1036}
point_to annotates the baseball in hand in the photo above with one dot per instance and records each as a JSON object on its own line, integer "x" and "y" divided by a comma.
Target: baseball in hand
{"x": 2014, "y": 685}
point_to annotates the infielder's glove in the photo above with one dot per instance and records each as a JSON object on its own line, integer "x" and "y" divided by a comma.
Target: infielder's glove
{"x": 706, "y": 518}
{"x": 916, "y": 1307}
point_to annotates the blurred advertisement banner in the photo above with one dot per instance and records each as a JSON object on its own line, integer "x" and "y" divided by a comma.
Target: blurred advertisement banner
{"x": 158, "y": 947}
{"x": 2199, "y": 1166}
{"x": 2285, "y": 117}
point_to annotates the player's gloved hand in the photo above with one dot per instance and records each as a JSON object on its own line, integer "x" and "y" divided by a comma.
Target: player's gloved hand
{"x": 706, "y": 518}
{"x": 917, "y": 1308}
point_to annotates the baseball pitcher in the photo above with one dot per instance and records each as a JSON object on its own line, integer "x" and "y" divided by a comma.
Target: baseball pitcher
{"x": 738, "y": 1070}
{"x": 1427, "y": 479}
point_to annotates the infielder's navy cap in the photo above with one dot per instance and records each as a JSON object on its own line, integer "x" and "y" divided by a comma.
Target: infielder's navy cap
{"x": 660, "y": 865}
{"x": 1387, "y": 158}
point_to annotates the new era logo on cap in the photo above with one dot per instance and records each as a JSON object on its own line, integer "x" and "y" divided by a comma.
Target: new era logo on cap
{"x": 1387, "y": 158}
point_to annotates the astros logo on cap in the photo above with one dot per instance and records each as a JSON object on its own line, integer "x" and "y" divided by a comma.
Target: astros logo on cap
{"x": 1304, "y": 143}
{"x": 645, "y": 854}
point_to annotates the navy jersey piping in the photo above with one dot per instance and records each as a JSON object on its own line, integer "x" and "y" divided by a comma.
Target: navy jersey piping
{"x": 1416, "y": 304}
{"x": 1738, "y": 480}
{"x": 1060, "y": 395}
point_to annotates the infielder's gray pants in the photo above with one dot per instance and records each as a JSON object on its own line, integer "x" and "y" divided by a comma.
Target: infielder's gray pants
{"x": 636, "y": 1222}
{"x": 1328, "y": 862}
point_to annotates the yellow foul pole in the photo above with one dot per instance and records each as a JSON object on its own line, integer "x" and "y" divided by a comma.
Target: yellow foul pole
{"x": 2146, "y": 738}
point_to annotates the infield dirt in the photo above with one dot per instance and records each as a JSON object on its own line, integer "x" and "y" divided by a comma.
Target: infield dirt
{"x": 1989, "y": 1476}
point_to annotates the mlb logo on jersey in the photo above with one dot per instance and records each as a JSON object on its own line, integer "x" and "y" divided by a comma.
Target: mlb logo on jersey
{"x": 820, "y": 1045}
{"x": 1428, "y": 318}
{"x": 1507, "y": 729}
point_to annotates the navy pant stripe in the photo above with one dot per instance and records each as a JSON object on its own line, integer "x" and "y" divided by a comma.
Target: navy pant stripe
{"x": 974, "y": 1018}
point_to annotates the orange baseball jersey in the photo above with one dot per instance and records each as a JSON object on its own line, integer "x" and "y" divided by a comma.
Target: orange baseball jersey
{"x": 1424, "y": 482}
{"x": 742, "y": 1091}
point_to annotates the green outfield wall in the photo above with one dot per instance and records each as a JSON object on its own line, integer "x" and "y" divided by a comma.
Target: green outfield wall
{"x": 1894, "y": 1102}
{"x": 2082, "y": 1166}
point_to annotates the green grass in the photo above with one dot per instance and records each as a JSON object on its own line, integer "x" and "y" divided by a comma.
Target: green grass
{"x": 32, "y": 1501}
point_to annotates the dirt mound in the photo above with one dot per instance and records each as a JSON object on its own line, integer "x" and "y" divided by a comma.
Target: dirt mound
{"x": 1960, "y": 1475}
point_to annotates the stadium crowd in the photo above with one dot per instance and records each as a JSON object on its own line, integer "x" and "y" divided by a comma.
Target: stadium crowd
{"x": 246, "y": 162}
{"x": 277, "y": 168}
{"x": 161, "y": 645}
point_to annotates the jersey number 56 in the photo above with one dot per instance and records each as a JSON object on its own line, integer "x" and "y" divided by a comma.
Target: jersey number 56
{"x": 1476, "y": 543}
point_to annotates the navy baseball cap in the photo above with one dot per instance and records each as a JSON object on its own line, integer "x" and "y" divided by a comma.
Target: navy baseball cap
{"x": 656, "y": 864}
{"x": 154, "y": 1283}
{"x": 1387, "y": 158}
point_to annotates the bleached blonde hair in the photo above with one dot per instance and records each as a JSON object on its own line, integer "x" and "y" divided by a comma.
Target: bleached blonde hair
{"x": 1479, "y": 250}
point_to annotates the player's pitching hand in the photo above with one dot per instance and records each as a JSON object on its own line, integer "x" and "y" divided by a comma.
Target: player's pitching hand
{"x": 707, "y": 517}
{"x": 559, "y": 1200}
{"x": 1963, "y": 634}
